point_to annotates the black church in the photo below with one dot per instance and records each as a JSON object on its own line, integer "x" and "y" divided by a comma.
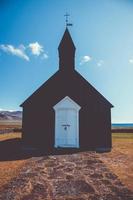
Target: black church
{"x": 67, "y": 112}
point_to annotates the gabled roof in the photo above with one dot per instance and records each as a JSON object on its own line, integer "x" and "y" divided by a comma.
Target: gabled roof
{"x": 67, "y": 44}
{"x": 85, "y": 82}
{"x": 57, "y": 78}
{"x": 52, "y": 78}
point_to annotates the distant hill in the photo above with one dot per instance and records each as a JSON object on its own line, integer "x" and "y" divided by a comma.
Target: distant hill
{"x": 8, "y": 115}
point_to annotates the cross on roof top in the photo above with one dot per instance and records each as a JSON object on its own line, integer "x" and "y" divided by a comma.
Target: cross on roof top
{"x": 67, "y": 24}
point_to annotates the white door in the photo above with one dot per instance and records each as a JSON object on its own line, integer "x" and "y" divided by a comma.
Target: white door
{"x": 67, "y": 124}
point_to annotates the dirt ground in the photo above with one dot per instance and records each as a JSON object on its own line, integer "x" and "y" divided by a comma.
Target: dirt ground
{"x": 79, "y": 176}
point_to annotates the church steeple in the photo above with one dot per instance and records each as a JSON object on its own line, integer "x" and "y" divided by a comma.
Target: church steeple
{"x": 66, "y": 52}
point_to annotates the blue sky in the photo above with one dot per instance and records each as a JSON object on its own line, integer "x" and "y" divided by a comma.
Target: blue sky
{"x": 30, "y": 32}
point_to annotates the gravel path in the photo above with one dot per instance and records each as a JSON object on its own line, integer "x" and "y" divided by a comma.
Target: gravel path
{"x": 80, "y": 176}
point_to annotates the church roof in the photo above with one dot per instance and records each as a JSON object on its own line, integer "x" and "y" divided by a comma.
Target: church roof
{"x": 65, "y": 76}
{"x": 58, "y": 77}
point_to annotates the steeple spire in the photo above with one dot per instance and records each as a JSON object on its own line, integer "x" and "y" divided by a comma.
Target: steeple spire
{"x": 66, "y": 52}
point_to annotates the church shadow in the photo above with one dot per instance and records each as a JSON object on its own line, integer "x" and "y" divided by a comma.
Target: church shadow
{"x": 13, "y": 149}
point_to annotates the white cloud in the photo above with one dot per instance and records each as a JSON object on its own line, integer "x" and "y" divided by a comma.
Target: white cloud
{"x": 20, "y": 51}
{"x": 131, "y": 60}
{"x": 85, "y": 59}
{"x": 36, "y": 48}
{"x": 44, "y": 56}
{"x": 100, "y": 63}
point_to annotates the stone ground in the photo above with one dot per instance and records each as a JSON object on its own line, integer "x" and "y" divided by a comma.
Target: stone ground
{"x": 79, "y": 176}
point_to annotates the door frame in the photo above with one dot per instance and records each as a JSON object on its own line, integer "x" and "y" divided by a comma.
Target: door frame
{"x": 64, "y": 104}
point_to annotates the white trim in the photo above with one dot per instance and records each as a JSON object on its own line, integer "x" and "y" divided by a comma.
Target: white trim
{"x": 58, "y": 105}
{"x": 68, "y": 105}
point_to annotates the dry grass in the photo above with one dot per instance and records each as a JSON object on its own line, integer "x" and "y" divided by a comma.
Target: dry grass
{"x": 8, "y": 136}
{"x": 10, "y": 124}
{"x": 9, "y": 169}
{"x": 120, "y": 159}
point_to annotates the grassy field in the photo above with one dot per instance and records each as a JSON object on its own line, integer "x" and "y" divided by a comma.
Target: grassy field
{"x": 119, "y": 160}
{"x": 122, "y": 136}
{"x": 10, "y": 124}
{"x": 9, "y": 136}
{"x": 9, "y": 168}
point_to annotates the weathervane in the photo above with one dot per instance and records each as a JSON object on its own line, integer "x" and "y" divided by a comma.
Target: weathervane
{"x": 67, "y": 24}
